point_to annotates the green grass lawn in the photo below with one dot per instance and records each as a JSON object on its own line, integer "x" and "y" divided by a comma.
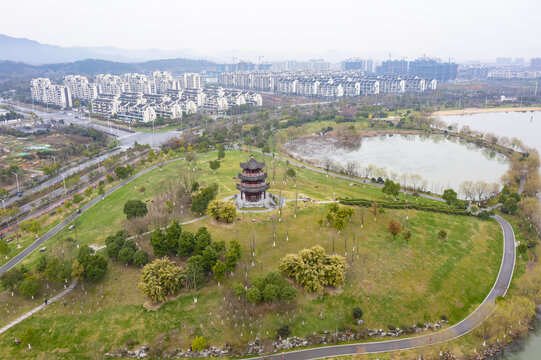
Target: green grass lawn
{"x": 393, "y": 282}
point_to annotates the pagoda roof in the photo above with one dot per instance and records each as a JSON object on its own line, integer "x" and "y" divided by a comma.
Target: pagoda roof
{"x": 252, "y": 164}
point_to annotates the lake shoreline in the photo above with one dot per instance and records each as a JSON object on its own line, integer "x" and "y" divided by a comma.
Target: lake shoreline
{"x": 469, "y": 111}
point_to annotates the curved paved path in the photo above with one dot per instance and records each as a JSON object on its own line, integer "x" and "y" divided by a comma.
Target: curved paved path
{"x": 465, "y": 326}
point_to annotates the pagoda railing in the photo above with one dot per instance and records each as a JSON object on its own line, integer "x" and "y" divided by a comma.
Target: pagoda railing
{"x": 252, "y": 174}
{"x": 254, "y": 185}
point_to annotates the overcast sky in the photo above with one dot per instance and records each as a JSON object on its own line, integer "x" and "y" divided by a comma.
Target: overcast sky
{"x": 333, "y": 29}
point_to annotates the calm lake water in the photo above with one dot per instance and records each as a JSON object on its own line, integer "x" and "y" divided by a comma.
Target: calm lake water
{"x": 526, "y": 127}
{"x": 442, "y": 162}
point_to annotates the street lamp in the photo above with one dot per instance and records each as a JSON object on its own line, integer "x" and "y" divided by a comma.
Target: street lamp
{"x": 64, "y": 182}
{"x": 17, "y": 178}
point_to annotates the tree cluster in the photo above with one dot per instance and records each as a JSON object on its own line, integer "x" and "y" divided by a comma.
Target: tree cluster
{"x": 314, "y": 269}
{"x": 125, "y": 251}
{"x": 268, "y": 288}
{"x": 53, "y": 269}
{"x": 124, "y": 172}
{"x": 509, "y": 201}
{"x": 22, "y": 280}
{"x": 89, "y": 265}
{"x": 391, "y": 188}
{"x": 338, "y": 216}
{"x": 203, "y": 255}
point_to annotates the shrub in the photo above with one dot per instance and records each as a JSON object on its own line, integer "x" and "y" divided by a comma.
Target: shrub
{"x": 238, "y": 290}
{"x": 522, "y": 248}
{"x": 223, "y": 211}
{"x": 30, "y": 286}
{"x": 77, "y": 198}
{"x": 288, "y": 293}
{"x": 11, "y": 279}
{"x": 305, "y": 267}
{"x": 135, "y": 208}
{"x": 253, "y": 295}
{"x": 283, "y": 331}
{"x": 357, "y": 313}
{"x": 140, "y": 258}
{"x": 126, "y": 254}
{"x": 271, "y": 293}
{"x": 201, "y": 200}
{"x": 199, "y": 343}
{"x": 159, "y": 279}
{"x": 485, "y": 215}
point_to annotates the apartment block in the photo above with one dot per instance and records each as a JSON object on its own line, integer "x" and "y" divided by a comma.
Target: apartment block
{"x": 42, "y": 91}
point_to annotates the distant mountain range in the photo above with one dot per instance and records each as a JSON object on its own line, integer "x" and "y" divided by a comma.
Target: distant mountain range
{"x": 35, "y": 53}
{"x": 22, "y": 71}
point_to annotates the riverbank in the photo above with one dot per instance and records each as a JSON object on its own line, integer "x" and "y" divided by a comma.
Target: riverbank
{"x": 485, "y": 110}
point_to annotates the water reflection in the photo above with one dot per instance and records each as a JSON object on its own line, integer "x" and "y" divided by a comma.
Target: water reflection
{"x": 442, "y": 161}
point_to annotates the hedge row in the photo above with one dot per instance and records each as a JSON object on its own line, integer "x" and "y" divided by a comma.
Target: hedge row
{"x": 403, "y": 205}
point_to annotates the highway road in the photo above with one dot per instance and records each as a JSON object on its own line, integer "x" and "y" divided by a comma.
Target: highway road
{"x": 39, "y": 242}
{"x": 126, "y": 140}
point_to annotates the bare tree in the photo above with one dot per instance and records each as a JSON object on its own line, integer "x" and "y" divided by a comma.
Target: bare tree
{"x": 466, "y": 188}
{"x": 380, "y": 172}
{"x": 370, "y": 170}
{"x": 480, "y": 188}
{"x": 351, "y": 168}
{"x": 327, "y": 164}
{"x": 415, "y": 180}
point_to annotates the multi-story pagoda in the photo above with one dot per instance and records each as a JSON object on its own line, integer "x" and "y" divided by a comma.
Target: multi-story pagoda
{"x": 252, "y": 184}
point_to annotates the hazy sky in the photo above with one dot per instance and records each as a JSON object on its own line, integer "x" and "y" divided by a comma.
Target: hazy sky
{"x": 462, "y": 29}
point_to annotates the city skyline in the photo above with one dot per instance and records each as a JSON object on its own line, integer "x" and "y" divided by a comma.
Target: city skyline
{"x": 285, "y": 30}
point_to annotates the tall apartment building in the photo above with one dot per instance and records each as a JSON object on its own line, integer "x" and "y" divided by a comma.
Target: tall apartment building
{"x": 137, "y": 83}
{"x": 356, "y": 64}
{"x": 110, "y": 84}
{"x": 535, "y": 63}
{"x": 162, "y": 81}
{"x": 192, "y": 81}
{"x": 423, "y": 68}
{"x": 44, "y": 92}
{"x": 319, "y": 65}
{"x": 81, "y": 88}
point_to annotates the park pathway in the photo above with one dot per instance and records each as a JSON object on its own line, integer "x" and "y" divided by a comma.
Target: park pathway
{"x": 41, "y": 307}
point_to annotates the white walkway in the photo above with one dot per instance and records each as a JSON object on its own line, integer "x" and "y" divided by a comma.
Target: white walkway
{"x": 35, "y": 310}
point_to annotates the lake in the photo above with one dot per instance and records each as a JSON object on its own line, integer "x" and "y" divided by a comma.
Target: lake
{"x": 525, "y": 126}
{"x": 443, "y": 162}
